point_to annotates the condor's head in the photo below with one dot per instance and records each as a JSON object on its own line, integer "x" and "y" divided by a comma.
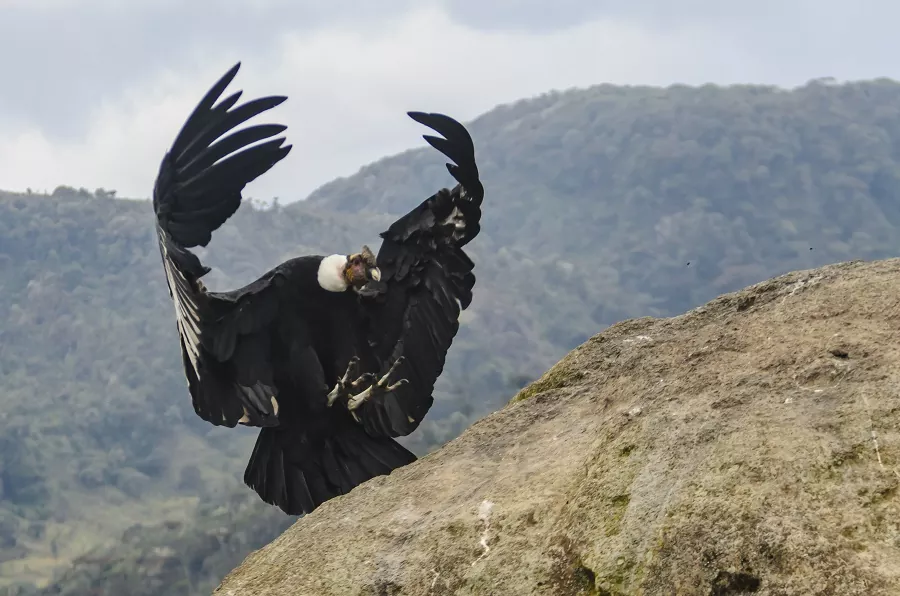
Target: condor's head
{"x": 339, "y": 273}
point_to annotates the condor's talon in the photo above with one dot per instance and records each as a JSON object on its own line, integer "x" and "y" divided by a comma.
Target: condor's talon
{"x": 363, "y": 381}
{"x": 397, "y": 385}
{"x": 382, "y": 386}
{"x": 352, "y": 369}
{"x": 340, "y": 390}
{"x": 400, "y": 360}
{"x": 335, "y": 393}
{"x": 344, "y": 386}
{"x": 358, "y": 400}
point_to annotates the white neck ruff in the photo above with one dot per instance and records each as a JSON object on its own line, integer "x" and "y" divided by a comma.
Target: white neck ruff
{"x": 331, "y": 273}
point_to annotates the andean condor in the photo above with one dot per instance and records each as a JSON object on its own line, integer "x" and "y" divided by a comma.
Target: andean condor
{"x": 331, "y": 356}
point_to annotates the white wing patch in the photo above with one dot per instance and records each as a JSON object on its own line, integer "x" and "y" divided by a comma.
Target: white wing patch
{"x": 186, "y": 312}
{"x": 187, "y": 318}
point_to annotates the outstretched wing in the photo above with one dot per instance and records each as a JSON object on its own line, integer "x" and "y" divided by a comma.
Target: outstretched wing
{"x": 426, "y": 280}
{"x": 197, "y": 189}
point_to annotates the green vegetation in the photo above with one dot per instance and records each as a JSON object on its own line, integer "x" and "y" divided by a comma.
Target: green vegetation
{"x": 174, "y": 557}
{"x": 556, "y": 378}
{"x": 602, "y": 204}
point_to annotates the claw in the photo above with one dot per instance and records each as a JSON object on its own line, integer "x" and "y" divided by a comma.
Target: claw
{"x": 352, "y": 369}
{"x": 335, "y": 393}
{"x": 391, "y": 370}
{"x": 397, "y": 385}
{"x": 364, "y": 380}
{"x": 344, "y": 387}
{"x": 382, "y": 386}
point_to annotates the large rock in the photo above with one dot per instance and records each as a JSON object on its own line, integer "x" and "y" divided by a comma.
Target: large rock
{"x": 749, "y": 446}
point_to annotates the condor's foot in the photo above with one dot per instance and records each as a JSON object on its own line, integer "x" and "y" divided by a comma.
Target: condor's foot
{"x": 380, "y": 387}
{"x": 345, "y": 387}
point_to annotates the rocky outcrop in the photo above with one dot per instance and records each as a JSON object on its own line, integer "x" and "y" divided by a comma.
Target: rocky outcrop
{"x": 750, "y": 446}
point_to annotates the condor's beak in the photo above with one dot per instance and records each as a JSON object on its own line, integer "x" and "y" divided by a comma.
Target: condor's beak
{"x": 373, "y": 286}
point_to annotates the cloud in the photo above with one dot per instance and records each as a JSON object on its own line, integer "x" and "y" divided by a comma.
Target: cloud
{"x": 103, "y": 115}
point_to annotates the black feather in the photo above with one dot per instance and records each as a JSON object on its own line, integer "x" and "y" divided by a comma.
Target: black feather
{"x": 195, "y": 122}
{"x": 425, "y": 271}
{"x": 229, "y": 144}
{"x": 267, "y": 354}
{"x": 197, "y": 189}
{"x": 218, "y": 123}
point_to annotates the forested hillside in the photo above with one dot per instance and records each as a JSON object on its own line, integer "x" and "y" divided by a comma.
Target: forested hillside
{"x": 602, "y": 204}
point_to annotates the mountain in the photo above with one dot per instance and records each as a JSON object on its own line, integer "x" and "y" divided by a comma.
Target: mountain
{"x": 602, "y": 204}
{"x": 730, "y": 450}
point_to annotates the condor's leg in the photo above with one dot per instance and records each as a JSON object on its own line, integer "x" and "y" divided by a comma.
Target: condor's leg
{"x": 351, "y": 383}
{"x": 382, "y": 386}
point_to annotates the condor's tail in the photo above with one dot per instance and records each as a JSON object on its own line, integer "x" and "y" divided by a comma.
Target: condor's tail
{"x": 298, "y": 470}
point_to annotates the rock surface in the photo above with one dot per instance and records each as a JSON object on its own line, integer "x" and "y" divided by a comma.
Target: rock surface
{"x": 750, "y": 446}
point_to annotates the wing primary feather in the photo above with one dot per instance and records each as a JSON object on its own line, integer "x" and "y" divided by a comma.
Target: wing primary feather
{"x": 457, "y": 145}
{"x": 229, "y": 101}
{"x": 197, "y": 189}
{"x": 189, "y": 129}
{"x": 229, "y": 144}
{"x": 428, "y": 280}
{"x": 237, "y": 170}
{"x": 217, "y": 126}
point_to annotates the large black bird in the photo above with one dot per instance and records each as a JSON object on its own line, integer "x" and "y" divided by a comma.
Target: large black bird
{"x": 332, "y": 356}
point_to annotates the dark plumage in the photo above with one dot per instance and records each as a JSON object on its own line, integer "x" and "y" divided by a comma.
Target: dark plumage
{"x": 332, "y": 356}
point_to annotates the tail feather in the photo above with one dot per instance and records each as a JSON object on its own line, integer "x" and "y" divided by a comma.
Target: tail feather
{"x": 298, "y": 472}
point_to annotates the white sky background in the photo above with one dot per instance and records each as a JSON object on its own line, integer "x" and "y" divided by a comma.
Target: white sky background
{"x": 93, "y": 91}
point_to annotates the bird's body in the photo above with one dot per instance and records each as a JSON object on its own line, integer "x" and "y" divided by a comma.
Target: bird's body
{"x": 332, "y": 356}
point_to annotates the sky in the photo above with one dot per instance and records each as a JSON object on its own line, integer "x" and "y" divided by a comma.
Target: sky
{"x": 93, "y": 91}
